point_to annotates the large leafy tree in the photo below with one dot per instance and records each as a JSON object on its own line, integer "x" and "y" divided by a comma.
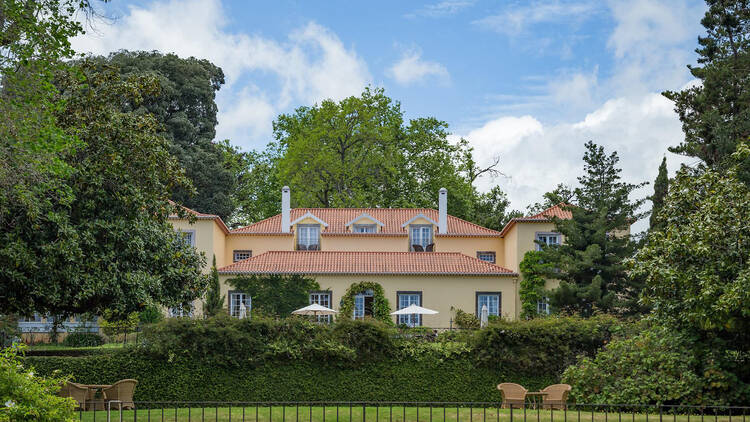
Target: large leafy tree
{"x": 590, "y": 262}
{"x": 715, "y": 114}
{"x": 184, "y": 106}
{"x": 359, "y": 152}
{"x": 105, "y": 242}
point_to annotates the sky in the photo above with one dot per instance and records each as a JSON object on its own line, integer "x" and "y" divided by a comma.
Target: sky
{"x": 526, "y": 81}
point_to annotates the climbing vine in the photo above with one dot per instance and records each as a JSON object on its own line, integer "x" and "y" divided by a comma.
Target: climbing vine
{"x": 533, "y": 271}
{"x": 381, "y": 308}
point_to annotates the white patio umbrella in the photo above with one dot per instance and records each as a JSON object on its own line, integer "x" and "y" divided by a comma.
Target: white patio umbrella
{"x": 484, "y": 316}
{"x": 243, "y": 311}
{"x": 314, "y": 310}
{"x": 414, "y": 310}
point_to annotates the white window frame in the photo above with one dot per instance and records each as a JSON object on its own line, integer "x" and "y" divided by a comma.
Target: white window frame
{"x": 487, "y": 254}
{"x": 189, "y": 234}
{"x": 241, "y": 252}
{"x": 364, "y": 228}
{"x": 235, "y": 298}
{"x": 359, "y": 304}
{"x": 420, "y": 234}
{"x": 405, "y": 299}
{"x": 546, "y": 238}
{"x": 322, "y": 298}
{"x": 308, "y": 234}
{"x": 486, "y": 298}
{"x": 181, "y": 311}
{"x": 542, "y": 306}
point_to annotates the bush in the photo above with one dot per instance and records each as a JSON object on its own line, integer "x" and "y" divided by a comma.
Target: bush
{"x": 657, "y": 366}
{"x": 397, "y": 379}
{"x": 544, "y": 345}
{"x": 371, "y": 339}
{"x": 150, "y": 315}
{"x": 466, "y": 321}
{"x": 83, "y": 339}
{"x": 25, "y": 396}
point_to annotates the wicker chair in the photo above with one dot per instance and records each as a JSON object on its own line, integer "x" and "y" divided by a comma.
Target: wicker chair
{"x": 78, "y": 392}
{"x": 122, "y": 392}
{"x": 417, "y": 248}
{"x": 514, "y": 395}
{"x": 556, "y": 397}
{"x": 430, "y": 248}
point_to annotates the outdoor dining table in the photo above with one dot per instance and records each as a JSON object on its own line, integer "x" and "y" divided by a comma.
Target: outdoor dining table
{"x": 96, "y": 404}
{"x": 535, "y": 395}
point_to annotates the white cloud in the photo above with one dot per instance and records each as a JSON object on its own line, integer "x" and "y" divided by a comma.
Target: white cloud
{"x": 443, "y": 8}
{"x": 513, "y": 20}
{"x": 411, "y": 68}
{"x": 312, "y": 64}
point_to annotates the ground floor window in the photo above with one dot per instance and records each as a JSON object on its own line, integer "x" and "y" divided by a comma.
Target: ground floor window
{"x": 363, "y": 305}
{"x": 181, "y": 311}
{"x": 240, "y": 304}
{"x": 322, "y": 299}
{"x": 491, "y": 300}
{"x": 405, "y": 299}
{"x": 542, "y": 306}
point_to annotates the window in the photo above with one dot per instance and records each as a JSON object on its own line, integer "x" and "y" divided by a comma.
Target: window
{"x": 240, "y": 255}
{"x": 487, "y": 256}
{"x": 491, "y": 300}
{"x": 181, "y": 311}
{"x": 187, "y": 236}
{"x": 549, "y": 239}
{"x": 308, "y": 235}
{"x": 236, "y": 301}
{"x": 322, "y": 299}
{"x": 405, "y": 299}
{"x": 542, "y": 306}
{"x": 364, "y": 228}
{"x": 363, "y": 305}
{"x": 34, "y": 318}
{"x": 421, "y": 235}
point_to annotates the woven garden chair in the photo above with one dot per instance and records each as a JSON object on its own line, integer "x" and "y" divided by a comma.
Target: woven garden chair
{"x": 513, "y": 395}
{"x": 78, "y": 392}
{"x": 556, "y": 397}
{"x": 122, "y": 392}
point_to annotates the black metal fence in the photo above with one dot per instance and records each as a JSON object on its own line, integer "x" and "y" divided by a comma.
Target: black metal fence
{"x": 408, "y": 412}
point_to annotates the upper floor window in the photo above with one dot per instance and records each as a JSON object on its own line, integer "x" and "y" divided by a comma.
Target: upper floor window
{"x": 187, "y": 237}
{"x": 240, "y": 255}
{"x": 364, "y": 228}
{"x": 308, "y": 237}
{"x": 491, "y": 301}
{"x": 487, "y": 256}
{"x": 549, "y": 239}
{"x": 421, "y": 238}
{"x": 240, "y": 304}
{"x": 322, "y": 299}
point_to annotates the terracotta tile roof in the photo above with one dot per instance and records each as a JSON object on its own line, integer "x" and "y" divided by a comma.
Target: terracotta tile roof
{"x": 339, "y": 262}
{"x": 392, "y": 219}
{"x": 558, "y": 211}
{"x": 200, "y": 216}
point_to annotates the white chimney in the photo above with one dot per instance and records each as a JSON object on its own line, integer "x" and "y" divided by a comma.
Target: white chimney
{"x": 285, "y": 220}
{"x": 443, "y": 211}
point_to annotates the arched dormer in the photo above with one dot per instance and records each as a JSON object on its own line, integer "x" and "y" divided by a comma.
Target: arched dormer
{"x": 421, "y": 231}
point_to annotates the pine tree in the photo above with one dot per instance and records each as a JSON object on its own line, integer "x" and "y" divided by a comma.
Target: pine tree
{"x": 214, "y": 303}
{"x": 661, "y": 187}
{"x": 590, "y": 262}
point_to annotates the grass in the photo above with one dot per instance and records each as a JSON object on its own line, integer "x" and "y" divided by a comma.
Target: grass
{"x": 384, "y": 414}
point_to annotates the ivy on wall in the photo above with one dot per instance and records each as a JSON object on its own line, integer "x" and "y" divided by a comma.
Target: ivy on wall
{"x": 381, "y": 308}
{"x": 533, "y": 271}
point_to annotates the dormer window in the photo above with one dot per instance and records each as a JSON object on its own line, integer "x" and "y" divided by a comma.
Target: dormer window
{"x": 364, "y": 228}
{"x": 420, "y": 238}
{"x": 308, "y": 237}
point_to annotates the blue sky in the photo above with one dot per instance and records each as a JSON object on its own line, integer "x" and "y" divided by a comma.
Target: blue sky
{"x": 528, "y": 81}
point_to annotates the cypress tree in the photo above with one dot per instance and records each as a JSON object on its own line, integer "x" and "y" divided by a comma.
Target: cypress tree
{"x": 214, "y": 303}
{"x": 661, "y": 187}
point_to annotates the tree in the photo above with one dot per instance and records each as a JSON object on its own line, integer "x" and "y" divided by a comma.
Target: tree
{"x": 105, "y": 242}
{"x": 276, "y": 294}
{"x": 590, "y": 262}
{"x": 562, "y": 194}
{"x": 358, "y": 152}
{"x": 661, "y": 187}
{"x": 258, "y": 190}
{"x": 214, "y": 303}
{"x": 715, "y": 114}
{"x": 184, "y": 105}
{"x": 492, "y": 210}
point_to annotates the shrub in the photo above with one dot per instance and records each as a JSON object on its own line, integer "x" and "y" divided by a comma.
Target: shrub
{"x": 112, "y": 324}
{"x": 150, "y": 315}
{"x": 83, "y": 339}
{"x": 657, "y": 366}
{"x": 544, "y": 345}
{"x": 466, "y": 321}
{"x": 371, "y": 339}
{"x": 25, "y": 396}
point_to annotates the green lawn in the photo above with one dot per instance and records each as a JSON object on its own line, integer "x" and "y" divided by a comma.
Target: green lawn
{"x": 383, "y": 414}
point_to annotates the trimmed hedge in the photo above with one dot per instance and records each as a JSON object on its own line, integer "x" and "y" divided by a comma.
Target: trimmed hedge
{"x": 192, "y": 380}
